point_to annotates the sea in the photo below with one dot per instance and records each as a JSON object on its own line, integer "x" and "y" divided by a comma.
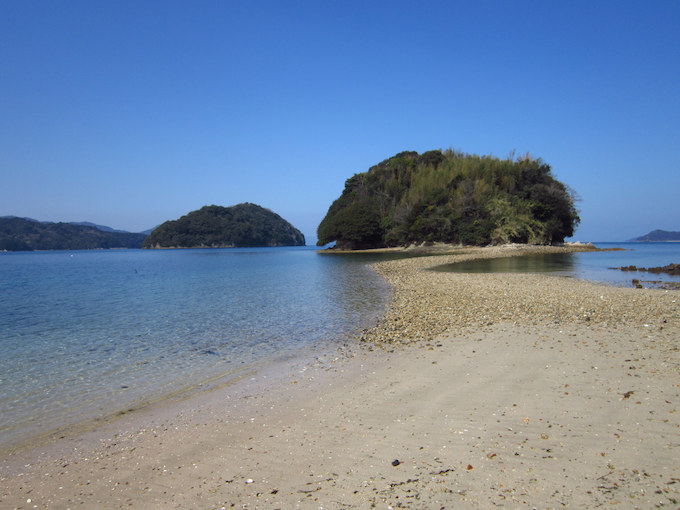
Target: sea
{"x": 88, "y": 334}
{"x": 600, "y": 266}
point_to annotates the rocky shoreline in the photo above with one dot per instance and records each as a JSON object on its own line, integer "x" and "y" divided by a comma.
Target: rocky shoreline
{"x": 671, "y": 269}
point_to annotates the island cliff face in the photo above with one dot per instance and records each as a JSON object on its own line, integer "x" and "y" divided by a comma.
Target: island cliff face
{"x": 212, "y": 226}
{"x": 450, "y": 197}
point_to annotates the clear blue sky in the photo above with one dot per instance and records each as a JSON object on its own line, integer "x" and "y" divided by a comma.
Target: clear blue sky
{"x": 130, "y": 113}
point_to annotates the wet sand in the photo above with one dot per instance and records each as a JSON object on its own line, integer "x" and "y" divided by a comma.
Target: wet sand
{"x": 475, "y": 391}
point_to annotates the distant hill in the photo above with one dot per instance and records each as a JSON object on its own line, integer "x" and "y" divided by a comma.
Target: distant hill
{"x": 103, "y": 228}
{"x": 213, "y": 226}
{"x": 147, "y": 232}
{"x": 658, "y": 236}
{"x": 24, "y": 218}
{"x": 450, "y": 197}
{"x": 22, "y": 234}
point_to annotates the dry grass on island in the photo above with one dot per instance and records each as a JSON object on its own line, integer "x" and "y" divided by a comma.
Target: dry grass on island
{"x": 475, "y": 391}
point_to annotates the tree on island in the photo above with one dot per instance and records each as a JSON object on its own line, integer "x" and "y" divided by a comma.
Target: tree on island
{"x": 451, "y": 197}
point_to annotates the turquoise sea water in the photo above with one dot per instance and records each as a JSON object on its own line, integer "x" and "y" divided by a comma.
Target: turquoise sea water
{"x": 84, "y": 334}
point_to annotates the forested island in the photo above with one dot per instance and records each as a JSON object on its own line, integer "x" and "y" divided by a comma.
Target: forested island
{"x": 23, "y": 234}
{"x": 450, "y": 197}
{"x": 213, "y": 226}
{"x": 657, "y": 236}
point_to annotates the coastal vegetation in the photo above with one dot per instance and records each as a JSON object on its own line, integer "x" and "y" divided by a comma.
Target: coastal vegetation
{"x": 22, "y": 234}
{"x": 452, "y": 197}
{"x": 213, "y": 226}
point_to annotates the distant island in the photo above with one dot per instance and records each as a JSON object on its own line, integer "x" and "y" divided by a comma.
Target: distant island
{"x": 450, "y": 197}
{"x": 656, "y": 236}
{"x": 213, "y": 226}
{"x": 25, "y": 234}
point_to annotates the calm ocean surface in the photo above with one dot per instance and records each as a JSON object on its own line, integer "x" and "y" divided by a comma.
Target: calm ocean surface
{"x": 587, "y": 265}
{"x": 85, "y": 334}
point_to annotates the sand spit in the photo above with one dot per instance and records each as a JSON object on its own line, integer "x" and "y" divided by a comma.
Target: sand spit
{"x": 475, "y": 391}
{"x": 428, "y": 303}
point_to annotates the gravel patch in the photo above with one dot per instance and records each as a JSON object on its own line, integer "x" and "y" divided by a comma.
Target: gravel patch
{"x": 426, "y": 304}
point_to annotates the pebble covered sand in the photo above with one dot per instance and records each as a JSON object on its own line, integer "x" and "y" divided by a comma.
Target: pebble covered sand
{"x": 474, "y": 391}
{"x": 429, "y": 303}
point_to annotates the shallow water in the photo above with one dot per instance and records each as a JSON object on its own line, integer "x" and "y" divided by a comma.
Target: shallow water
{"x": 86, "y": 333}
{"x": 594, "y": 266}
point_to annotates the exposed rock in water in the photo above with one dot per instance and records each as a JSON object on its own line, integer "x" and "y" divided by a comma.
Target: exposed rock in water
{"x": 671, "y": 269}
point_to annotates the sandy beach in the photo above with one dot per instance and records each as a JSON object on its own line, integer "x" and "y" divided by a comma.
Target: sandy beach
{"x": 474, "y": 391}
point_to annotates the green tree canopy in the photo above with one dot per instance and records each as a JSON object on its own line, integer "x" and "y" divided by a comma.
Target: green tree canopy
{"x": 213, "y": 226}
{"x": 451, "y": 197}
